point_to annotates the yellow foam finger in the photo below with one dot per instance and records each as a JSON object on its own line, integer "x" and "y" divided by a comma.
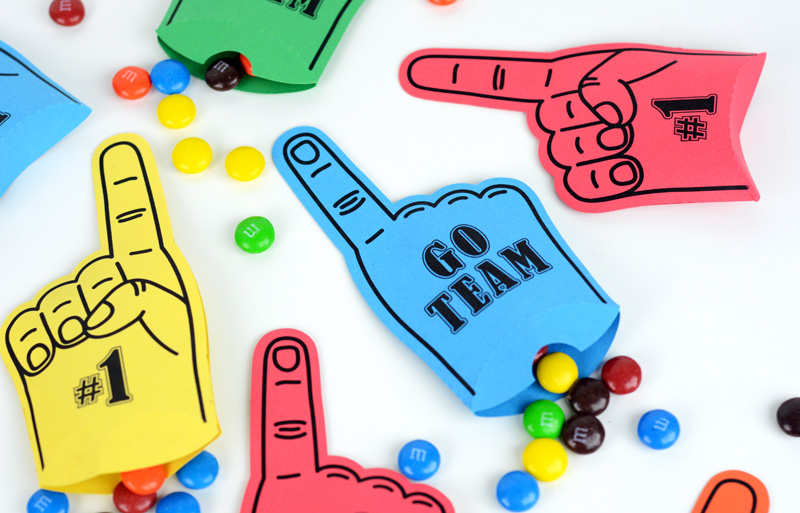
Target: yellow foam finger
{"x": 135, "y": 392}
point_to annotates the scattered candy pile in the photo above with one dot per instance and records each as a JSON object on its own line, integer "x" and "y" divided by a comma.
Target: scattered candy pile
{"x": 545, "y": 459}
{"x": 136, "y": 493}
{"x": 176, "y": 111}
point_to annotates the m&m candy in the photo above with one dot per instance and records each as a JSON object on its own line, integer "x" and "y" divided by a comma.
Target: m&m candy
{"x": 589, "y": 395}
{"x": 789, "y": 416}
{"x": 128, "y": 502}
{"x": 191, "y": 155}
{"x": 245, "y": 163}
{"x": 246, "y": 64}
{"x": 254, "y": 234}
{"x": 622, "y": 375}
{"x": 67, "y": 12}
{"x": 144, "y": 481}
{"x": 224, "y": 74}
{"x": 45, "y": 501}
{"x": 583, "y": 433}
{"x": 545, "y": 459}
{"x": 659, "y": 429}
{"x": 517, "y": 491}
{"x": 176, "y": 111}
{"x": 178, "y": 502}
{"x": 539, "y": 355}
{"x": 200, "y": 472}
{"x": 556, "y": 372}
{"x": 131, "y": 83}
{"x": 418, "y": 460}
{"x": 170, "y": 76}
{"x": 543, "y": 419}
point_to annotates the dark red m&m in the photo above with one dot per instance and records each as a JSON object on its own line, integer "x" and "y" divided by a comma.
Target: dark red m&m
{"x": 67, "y": 12}
{"x": 128, "y": 502}
{"x": 583, "y": 433}
{"x": 622, "y": 375}
{"x": 589, "y": 395}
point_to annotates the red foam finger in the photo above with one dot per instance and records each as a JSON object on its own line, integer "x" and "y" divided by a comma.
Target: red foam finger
{"x": 289, "y": 411}
{"x": 495, "y": 79}
{"x": 733, "y": 491}
{"x": 502, "y": 80}
{"x": 290, "y": 470}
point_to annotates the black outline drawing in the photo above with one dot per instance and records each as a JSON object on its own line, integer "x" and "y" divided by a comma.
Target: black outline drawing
{"x": 406, "y": 210}
{"x": 628, "y": 161}
{"x": 322, "y": 45}
{"x": 138, "y": 284}
{"x": 737, "y": 481}
{"x": 336, "y": 466}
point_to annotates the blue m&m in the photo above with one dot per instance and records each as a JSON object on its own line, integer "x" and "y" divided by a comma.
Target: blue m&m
{"x": 200, "y": 472}
{"x": 45, "y": 501}
{"x": 418, "y": 460}
{"x": 517, "y": 491}
{"x": 178, "y": 502}
{"x": 170, "y": 76}
{"x": 659, "y": 429}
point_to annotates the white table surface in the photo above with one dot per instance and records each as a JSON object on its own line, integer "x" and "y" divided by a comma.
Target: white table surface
{"x": 708, "y": 292}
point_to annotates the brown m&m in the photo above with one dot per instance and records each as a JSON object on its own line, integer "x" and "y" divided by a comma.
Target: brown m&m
{"x": 789, "y": 416}
{"x": 224, "y": 74}
{"x": 589, "y": 395}
{"x": 583, "y": 433}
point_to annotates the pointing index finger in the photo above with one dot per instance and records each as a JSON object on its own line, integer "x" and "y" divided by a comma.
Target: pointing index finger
{"x": 501, "y": 80}
{"x": 287, "y": 427}
{"x": 332, "y": 188}
{"x": 129, "y": 197}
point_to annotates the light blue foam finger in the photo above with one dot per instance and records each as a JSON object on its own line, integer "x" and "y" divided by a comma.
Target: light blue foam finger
{"x": 35, "y": 113}
{"x": 474, "y": 279}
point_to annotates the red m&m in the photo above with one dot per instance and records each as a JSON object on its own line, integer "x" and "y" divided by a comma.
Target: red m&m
{"x": 622, "y": 375}
{"x": 67, "y": 12}
{"x": 128, "y": 502}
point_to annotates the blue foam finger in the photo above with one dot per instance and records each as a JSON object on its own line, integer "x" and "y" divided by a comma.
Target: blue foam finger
{"x": 35, "y": 113}
{"x": 474, "y": 279}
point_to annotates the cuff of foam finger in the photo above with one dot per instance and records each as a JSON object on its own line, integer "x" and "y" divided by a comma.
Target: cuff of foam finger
{"x": 507, "y": 384}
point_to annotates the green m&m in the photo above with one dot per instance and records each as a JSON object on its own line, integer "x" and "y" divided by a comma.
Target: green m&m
{"x": 254, "y": 234}
{"x": 543, "y": 419}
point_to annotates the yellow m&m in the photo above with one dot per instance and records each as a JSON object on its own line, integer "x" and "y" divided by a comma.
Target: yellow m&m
{"x": 556, "y": 372}
{"x": 176, "y": 111}
{"x": 245, "y": 163}
{"x": 545, "y": 459}
{"x": 191, "y": 155}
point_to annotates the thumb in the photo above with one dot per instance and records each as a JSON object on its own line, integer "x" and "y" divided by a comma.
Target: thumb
{"x": 162, "y": 313}
{"x": 610, "y": 99}
{"x": 123, "y": 306}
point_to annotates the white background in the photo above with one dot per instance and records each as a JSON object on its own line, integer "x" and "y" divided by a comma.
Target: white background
{"x": 709, "y": 292}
